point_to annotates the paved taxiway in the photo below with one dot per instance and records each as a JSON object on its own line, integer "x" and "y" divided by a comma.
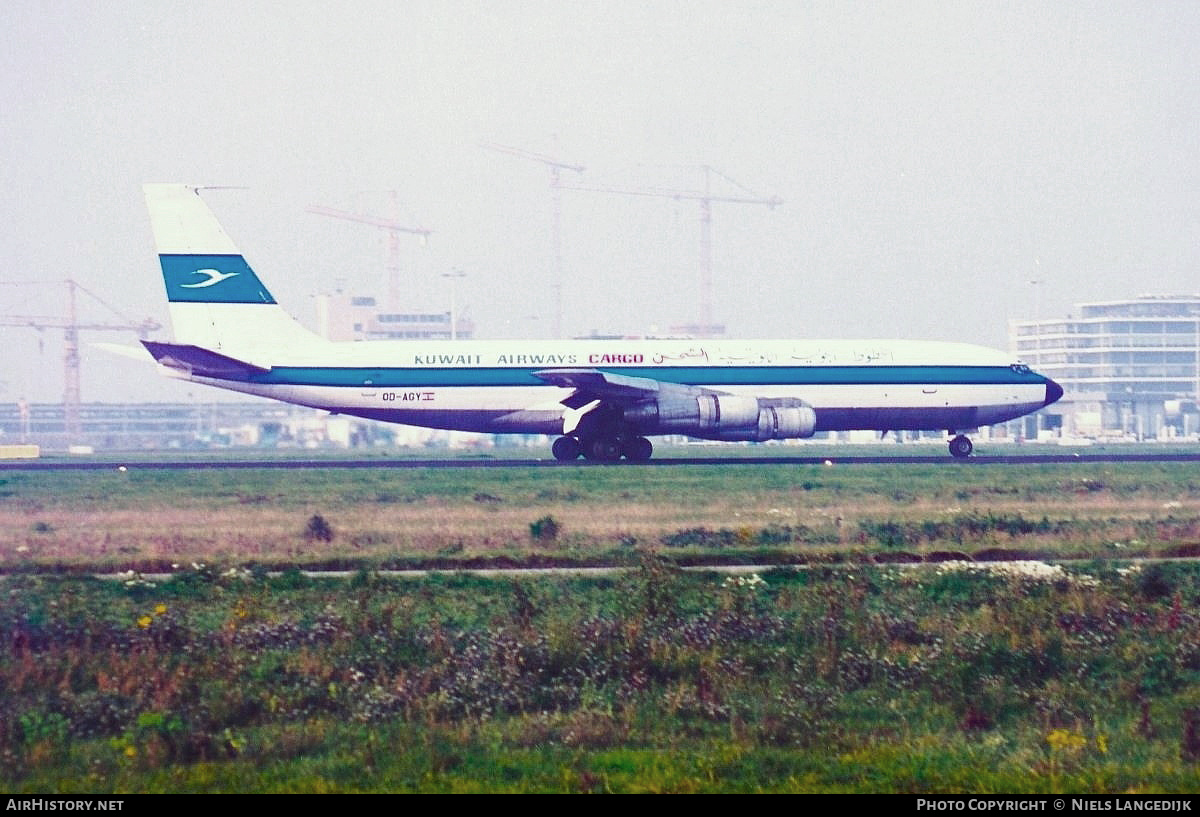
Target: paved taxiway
{"x": 666, "y": 462}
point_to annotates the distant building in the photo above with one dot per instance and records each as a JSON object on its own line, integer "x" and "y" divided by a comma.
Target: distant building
{"x": 209, "y": 425}
{"x": 698, "y": 330}
{"x": 356, "y": 317}
{"x": 689, "y": 331}
{"x": 1129, "y": 367}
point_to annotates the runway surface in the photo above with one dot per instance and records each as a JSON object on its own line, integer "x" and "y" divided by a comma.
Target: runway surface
{"x": 666, "y": 462}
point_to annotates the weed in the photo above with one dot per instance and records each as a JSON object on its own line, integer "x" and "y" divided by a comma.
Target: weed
{"x": 459, "y": 675}
{"x": 742, "y": 537}
{"x": 318, "y": 529}
{"x": 545, "y": 529}
{"x": 37, "y": 727}
{"x": 1155, "y": 582}
{"x": 843, "y": 676}
{"x": 968, "y": 527}
{"x": 1190, "y": 747}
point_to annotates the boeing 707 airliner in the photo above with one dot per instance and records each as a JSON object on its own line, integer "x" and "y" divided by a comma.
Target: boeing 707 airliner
{"x": 601, "y": 399}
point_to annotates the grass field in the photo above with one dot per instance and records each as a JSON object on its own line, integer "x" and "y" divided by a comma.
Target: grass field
{"x": 843, "y": 675}
{"x": 147, "y": 520}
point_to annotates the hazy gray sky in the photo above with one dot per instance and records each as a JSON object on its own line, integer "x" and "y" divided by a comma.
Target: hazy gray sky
{"x": 933, "y": 158}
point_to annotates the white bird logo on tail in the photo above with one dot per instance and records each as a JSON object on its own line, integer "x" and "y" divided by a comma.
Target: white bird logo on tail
{"x": 214, "y": 277}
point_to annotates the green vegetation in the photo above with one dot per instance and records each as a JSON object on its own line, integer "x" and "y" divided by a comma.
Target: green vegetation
{"x": 147, "y": 520}
{"x": 318, "y": 529}
{"x": 544, "y": 529}
{"x": 937, "y": 679}
{"x": 849, "y": 673}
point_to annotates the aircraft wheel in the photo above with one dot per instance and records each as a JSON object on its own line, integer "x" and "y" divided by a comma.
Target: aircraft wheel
{"x": 961, "y": 447}
{"x": 566, "y": 449}
{"x": 603, "y": 449}
{"x": 638, "y": 449}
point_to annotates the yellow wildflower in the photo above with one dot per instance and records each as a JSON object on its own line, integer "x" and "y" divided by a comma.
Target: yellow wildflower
{"x": 159, "y": 609}
{"x": 144, "y": 622}
{"x": 1061, "y": 739}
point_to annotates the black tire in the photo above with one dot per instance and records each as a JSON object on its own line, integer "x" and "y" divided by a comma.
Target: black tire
{"x": 566, "y": 449}
{"x": 961, "y": 447}
{"x": 638, "y": 449}
{"x": 603, "y": 449}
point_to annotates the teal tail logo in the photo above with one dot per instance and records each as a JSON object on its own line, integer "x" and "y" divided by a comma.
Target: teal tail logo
{"x": 212, "y": 279}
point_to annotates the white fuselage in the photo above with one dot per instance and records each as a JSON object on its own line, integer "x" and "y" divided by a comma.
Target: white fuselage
{"x": 489, "y": 386}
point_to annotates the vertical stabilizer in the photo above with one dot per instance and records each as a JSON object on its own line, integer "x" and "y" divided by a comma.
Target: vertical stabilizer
{"x": 216, "y": 300}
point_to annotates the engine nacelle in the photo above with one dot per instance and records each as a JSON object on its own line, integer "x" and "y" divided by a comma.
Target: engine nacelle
{"x": 786, "y": 422}
{"x": 724, "y": 417}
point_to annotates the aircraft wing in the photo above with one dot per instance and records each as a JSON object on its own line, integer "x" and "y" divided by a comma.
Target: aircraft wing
{"x": 594, "y": 384}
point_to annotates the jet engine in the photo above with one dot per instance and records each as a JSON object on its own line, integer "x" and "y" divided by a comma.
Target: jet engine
{"x": 724, "y": 417}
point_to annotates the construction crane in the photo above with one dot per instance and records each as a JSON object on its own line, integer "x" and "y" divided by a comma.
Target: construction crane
{"x": 706, "y": 199}
{"x": 71, "y": 327}
{"x": 394, "y": 229}
{"x": 556, "y": 167}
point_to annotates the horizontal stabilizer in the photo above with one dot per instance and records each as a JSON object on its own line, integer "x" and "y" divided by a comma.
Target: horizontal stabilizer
{"x": 131, "y": 352}
{"x": 199, "y": 361}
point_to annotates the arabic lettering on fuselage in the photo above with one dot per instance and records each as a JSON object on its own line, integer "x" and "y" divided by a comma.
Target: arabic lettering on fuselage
{"x": 692, "y": 356}
{"x": 748, "y": 357}
{"x": 867, "y": 356}
{"x": 824, "y": 357}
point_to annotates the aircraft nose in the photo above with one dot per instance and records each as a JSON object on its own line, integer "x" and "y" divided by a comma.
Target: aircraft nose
{"x": 1053, "y": 391}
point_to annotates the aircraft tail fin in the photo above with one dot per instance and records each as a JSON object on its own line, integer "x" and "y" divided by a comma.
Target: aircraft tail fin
{"x": 215, "y": 299}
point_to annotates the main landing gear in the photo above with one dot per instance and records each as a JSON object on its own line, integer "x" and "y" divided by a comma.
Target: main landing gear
{"x": 961, "y": 447}
{"x": 566, "y": 449}
{"x": 603, "y": 448}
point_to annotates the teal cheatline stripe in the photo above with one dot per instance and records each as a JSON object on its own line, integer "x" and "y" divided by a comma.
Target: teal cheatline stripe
{"x": 689, "y": 375}
{"x": 212, "y": 279}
